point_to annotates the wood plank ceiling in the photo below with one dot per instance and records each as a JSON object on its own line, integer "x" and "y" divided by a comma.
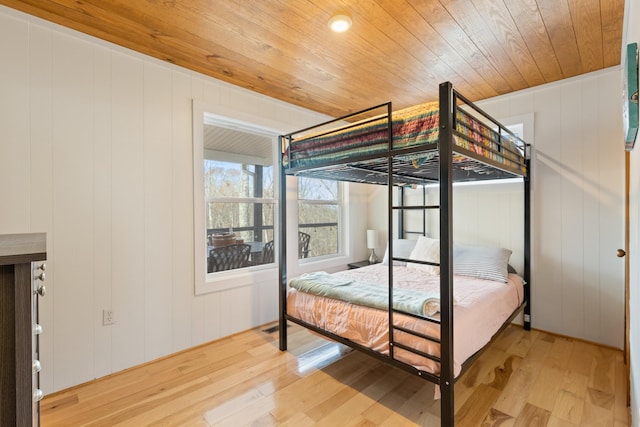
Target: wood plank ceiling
{"x": 398, "y": 50}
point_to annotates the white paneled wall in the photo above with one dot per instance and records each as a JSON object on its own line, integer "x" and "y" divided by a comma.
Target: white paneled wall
{"x": 578, "y": 182}
{"x": 577, "y": 206}
{"x": 73, "y": 202}
{"x": 14, "y": 123}
{"x": 486, "y": 214}
{"x": 577, "y": 202}
{"x": 96, "y": 151}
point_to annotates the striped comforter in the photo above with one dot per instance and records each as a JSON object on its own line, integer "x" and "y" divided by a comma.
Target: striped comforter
{"x": 417, "y": 125}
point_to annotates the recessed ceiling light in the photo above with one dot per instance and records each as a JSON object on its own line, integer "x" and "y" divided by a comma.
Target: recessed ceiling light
{"x": 340, "y": 22}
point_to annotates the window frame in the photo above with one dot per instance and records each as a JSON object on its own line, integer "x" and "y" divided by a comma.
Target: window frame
{"x": 248, "y": 200}
{"x": 340, "y": 202}
{"x": 213, "y": 282}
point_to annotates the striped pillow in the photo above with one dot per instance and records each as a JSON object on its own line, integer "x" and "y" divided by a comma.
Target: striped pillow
{"x": 481, "y": 262}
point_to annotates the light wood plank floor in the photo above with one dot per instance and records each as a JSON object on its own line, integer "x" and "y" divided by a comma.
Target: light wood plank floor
{"x": 523, "y": 379}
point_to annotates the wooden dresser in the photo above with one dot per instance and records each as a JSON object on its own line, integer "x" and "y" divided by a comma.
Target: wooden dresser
{"x": 21, "y": 284}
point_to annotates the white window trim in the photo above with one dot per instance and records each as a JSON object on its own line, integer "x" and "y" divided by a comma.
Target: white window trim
{"x": 342, "y": 204}
{"x": 241, "y": 200}
{"x": 526, "y": 123}
{"x": 206, "y": 283}
{"x": 332, "y": 262}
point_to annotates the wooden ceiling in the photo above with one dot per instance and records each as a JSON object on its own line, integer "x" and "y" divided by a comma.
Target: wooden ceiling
{"x": 397, "y": 50}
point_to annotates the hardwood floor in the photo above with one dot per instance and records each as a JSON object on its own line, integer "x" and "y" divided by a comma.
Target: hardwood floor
{"x": 523, "y": 379}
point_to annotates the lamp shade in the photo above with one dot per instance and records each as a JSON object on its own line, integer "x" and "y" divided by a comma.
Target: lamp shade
{"x": 372, "y": 239}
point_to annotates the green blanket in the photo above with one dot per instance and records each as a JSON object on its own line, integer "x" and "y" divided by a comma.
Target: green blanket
{"x": 367, "y": 294}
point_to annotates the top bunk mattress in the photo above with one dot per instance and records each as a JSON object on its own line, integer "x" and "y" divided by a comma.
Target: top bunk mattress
{"x": 412, "y": 127}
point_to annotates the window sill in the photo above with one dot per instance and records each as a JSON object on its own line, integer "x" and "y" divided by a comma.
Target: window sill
{"x": 240, "y": 278}
{"x": 233, "y": 279}
{"x": 333, "y": 263}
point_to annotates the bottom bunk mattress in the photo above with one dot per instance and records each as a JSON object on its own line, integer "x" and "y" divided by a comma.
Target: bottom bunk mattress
{"x": 481, "y": 307}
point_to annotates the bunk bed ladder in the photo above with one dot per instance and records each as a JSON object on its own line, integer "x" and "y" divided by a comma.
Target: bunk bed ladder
{"x": 445, "y": 143}
{"x": 445, "y": 152}
{"x": 396, "y": 344}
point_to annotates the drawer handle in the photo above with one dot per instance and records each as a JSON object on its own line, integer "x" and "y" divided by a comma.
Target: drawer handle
{"x": 40, "y": 277}
{"x": 37, "y": 329}
{"x": 42, "y": 290}
{"x": 37, "y": 367}
{"x": 38, "y": 395}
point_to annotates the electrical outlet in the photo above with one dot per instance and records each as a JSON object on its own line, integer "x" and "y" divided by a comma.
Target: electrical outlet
{"x": 108, "y": 317}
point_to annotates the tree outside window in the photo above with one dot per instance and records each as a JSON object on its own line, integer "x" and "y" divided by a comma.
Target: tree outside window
{"x": 239, "y": 199}
{"x": 319, "y": 215}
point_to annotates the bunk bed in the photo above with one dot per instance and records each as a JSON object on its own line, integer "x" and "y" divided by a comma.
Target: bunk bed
{"x": 451, "y": 140}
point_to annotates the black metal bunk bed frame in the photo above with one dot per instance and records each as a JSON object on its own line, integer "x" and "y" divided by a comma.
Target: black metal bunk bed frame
{"x": 446, "y": 175}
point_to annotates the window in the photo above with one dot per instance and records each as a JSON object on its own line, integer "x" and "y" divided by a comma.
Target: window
{"x": 239, "y": 199}
{"x": 239, "y": 211}
{"x": 235, "y": 189}
{"x": 319, "y": 217}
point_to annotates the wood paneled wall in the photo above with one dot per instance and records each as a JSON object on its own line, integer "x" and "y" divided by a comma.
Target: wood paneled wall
{"x": 96, "y": 150}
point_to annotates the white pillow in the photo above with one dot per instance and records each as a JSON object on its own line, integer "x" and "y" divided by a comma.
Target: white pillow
{"x": 401, "y": 249}
{"x": 482, "y": 262}
{"x": 426, "y": 249}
